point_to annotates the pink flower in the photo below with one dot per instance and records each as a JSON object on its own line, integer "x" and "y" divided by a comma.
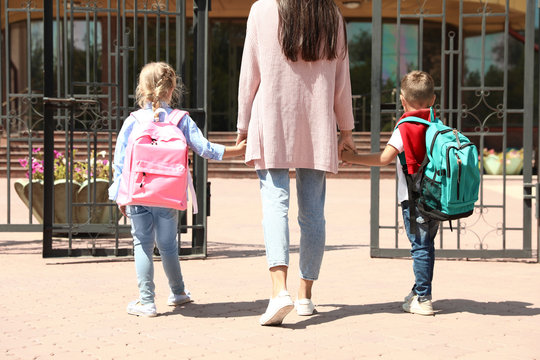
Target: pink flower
{"x": 37, "y": 166}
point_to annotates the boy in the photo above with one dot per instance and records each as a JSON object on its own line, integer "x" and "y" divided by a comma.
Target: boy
{"x": 417, "y": 96}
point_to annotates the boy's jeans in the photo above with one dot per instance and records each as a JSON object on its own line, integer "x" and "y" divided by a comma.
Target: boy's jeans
{"x": 422, "y": 250}
{"x": 275, "y": 194}
{"x": 160, "y": 224}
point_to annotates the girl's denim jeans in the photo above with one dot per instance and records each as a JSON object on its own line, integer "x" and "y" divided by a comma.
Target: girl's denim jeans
{"x": 275, "y": 194}
{"x": 149, "y": 224}
{"x": 422, "y": 250}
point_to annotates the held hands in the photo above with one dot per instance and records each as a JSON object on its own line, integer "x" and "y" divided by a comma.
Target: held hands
{"x": 346, "y": 145}
{"x": 237, "y": 150}
{"x": 347, "y": 156}
{"x": 241, "y": 147}
{"x": 123, "y": 210}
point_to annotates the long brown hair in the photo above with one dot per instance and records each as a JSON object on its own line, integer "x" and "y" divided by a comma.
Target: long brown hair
{"x": 309, "y": 28}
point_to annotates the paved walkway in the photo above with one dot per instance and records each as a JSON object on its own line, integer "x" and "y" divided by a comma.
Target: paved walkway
{"x": 75, "y": 308}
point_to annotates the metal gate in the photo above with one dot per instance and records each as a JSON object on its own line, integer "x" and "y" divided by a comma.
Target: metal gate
{"x": 475, "y": 95}
{"x": 82, "y": 62}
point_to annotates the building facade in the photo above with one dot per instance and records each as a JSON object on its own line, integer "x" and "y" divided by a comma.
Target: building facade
{"x": 93, "y": 28}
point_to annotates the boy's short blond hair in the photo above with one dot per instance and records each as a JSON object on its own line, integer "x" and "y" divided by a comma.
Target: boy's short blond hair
{"x": 417, "y": 87}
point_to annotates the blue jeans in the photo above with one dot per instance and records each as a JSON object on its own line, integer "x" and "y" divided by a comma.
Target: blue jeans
{"x": 422, "y": 250}
{"x": 275, "y": 193}
{"x": 159, "y": 225}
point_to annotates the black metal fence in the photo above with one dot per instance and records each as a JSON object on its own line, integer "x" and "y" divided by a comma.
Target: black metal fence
{"x": 69, "y": 71}
{"x": 484, "y": 72}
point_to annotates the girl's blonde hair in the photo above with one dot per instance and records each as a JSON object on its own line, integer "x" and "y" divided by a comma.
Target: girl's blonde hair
{"x": 156, "y": 81}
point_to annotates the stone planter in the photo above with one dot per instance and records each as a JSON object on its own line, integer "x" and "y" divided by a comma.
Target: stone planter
{"x": 493, "y": 163}
{"x": 80, "y": 214}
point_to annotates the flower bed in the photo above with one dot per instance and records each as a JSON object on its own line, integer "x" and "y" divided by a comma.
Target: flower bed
{"x": 493, "y": 162}
{"x": 88, "y": 184}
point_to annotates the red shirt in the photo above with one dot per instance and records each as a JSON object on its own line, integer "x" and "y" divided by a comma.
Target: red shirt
{"x": 413, "y": 136}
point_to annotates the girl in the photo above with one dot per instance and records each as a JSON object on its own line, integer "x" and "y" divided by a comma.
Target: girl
{"x": 294, "y": 92}
{"x": 158, "y": 86}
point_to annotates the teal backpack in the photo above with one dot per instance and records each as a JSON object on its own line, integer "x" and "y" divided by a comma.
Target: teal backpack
{"x": 446, "y": 185}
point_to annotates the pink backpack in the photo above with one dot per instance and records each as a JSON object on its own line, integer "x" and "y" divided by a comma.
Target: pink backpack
{"x": 155, "y": 171}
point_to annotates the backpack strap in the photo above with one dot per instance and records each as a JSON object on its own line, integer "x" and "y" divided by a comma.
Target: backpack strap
{"x": 192, "y": 193}
{"x": 412, "y": 179}
{"x": 413, "y": 119}
{"x": 410, "y": 119}
{"x": 138, "y": 115}
{"x": 176, "y": 116}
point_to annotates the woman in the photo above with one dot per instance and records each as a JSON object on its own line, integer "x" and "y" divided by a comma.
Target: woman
{"x": 294, "y": 88}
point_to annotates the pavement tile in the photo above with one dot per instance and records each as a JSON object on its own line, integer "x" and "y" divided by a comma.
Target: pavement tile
{"x": 75, "y": 308}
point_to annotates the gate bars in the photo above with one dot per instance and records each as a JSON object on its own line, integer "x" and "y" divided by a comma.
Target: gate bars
{"x": 453, "y": 110}
{"x": 200, "y": 23}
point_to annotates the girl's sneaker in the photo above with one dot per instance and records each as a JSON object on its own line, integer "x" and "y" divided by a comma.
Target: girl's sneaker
{"x": 136, "y": 308}
{"x": 175, "y": 300}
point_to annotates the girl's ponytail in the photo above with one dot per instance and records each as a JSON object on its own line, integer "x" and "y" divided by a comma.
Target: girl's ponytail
{"x": 157, "y": 81}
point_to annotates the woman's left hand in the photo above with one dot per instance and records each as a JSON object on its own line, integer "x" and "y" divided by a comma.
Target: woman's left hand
{"x": 123, "y": 209}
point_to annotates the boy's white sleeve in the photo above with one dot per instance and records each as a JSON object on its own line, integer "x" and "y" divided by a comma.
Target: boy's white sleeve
{"x": 396, "y": 141}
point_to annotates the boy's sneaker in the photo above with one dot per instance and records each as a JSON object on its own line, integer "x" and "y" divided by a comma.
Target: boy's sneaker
{"x": 418, "y": 307}
{"x": 304, "y": 307}
{"x": 136, "y": 308}
{"x": 409, "y": 297}
{"x": 277, "y": 309}
{"x": 175, "y": 300}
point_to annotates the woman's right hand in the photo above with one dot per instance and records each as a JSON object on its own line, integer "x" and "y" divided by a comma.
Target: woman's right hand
{"x": 345, "y": 142}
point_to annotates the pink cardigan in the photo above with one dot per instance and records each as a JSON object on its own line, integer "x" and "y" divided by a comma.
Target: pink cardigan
{"x": 290, "y": 109}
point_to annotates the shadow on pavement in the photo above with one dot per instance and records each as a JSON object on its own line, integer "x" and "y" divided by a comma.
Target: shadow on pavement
{"x": 332, "y": 312}
{"x": 256, "y": 308}
{"x": 219, "y": 310}
{"x": 21, "y": 247}
{"x": 218, "y": 250}
{"x": 502, "y": 308}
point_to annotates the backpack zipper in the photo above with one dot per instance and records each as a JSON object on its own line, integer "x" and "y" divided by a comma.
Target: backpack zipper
{"x": 448, "y": 155}
{"x": 440, "y": 132}
{"x": 142, "y": 180}
{"x": 459, "y": 175}
{"x": 457, "y": 137}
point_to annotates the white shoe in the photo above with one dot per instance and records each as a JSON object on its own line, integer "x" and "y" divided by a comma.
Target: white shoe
{"x": 136, "y": 308}
{"x": 175, "y": 300}
{"x": 418, "y": 307}
{"x": 277, "y": 309}
{"x": 409, "y": 297}
{"x": 304, "y": 307}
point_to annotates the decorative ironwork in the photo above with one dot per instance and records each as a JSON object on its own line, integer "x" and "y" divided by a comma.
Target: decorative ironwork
{"x": 480, "y": 111}
{"x": 97, "y": 53}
